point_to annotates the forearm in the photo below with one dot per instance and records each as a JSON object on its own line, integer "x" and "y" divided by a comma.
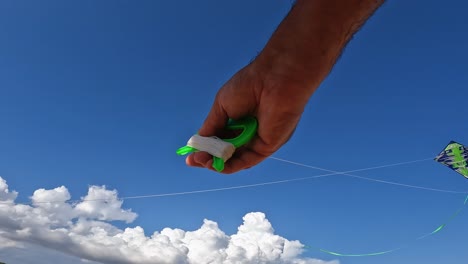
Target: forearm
{"x": 310, "y": 39}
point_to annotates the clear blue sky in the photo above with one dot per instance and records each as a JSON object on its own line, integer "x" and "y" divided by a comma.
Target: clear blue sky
{"x": 103, "y": 93}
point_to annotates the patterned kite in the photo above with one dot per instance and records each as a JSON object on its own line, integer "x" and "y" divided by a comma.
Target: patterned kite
{"x": 455, "y": 156}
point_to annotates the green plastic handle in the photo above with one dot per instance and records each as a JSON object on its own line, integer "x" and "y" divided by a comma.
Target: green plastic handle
{"x": 248, "y": 125}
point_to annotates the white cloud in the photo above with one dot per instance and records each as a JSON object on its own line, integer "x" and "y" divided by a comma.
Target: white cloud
{"x": 83, "y": 230}
{"x": 5, "y": 194}
{"x": 104, "y": 205}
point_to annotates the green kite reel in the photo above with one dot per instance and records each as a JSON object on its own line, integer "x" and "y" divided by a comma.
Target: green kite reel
{"x": 212, "y": 145}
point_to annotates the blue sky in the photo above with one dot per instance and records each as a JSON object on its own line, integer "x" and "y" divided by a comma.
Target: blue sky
{"x": 104, "y": 92}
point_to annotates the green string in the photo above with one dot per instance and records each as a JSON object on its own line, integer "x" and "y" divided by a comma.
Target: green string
{"x": 450, "y": 219}
{"x": 438, "y": 229}
{"x": 357, "y": 255}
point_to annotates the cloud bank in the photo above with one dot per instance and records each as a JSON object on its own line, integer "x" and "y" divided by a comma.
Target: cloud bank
{"x": 82, "y": 229}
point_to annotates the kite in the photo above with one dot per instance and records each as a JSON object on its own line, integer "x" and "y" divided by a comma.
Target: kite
{"x": 455, "y": 156}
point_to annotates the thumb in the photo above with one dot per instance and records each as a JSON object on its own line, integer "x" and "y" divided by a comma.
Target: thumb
{"x": 215, "y": 121}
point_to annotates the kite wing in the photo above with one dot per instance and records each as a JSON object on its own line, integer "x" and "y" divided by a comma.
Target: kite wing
{"x": 455, "y": 156}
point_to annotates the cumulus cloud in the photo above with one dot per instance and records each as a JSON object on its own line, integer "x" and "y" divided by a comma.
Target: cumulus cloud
{"x": 82, "y": 229}
{"x": 5, "y": 194}
{"x": 104, "y": 205}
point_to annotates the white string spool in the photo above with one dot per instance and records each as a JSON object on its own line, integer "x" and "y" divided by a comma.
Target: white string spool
{"x": 213, "y": 145}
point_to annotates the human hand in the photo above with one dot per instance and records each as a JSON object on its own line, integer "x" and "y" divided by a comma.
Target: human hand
{"x": 275, "y": 101}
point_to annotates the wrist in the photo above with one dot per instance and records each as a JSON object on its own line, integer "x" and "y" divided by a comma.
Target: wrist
{"x": 285, "y": 64}
{"x": 287, "y": 89}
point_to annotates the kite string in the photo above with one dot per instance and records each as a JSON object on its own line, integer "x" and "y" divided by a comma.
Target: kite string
{"x": 331, "y": 173}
